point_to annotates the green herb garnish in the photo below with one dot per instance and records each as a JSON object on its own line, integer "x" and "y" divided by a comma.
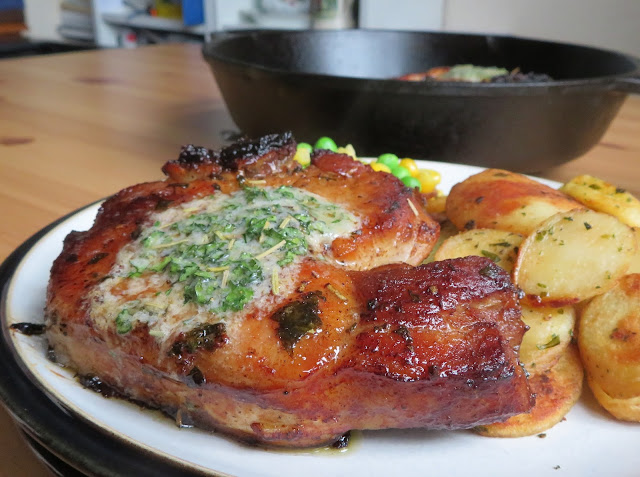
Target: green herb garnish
{"x": 490, "y": 255}
{"x": 123, "y": 322}
{"x": 217, "y": 254}
{"x": 554, "y": 341}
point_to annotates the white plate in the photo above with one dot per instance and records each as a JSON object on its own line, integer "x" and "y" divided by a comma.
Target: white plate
{"x": 587, "y": 443}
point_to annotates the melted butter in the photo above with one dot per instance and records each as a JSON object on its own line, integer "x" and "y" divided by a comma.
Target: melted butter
{"x": 353, "y": 444}
{"x": 216, "y": 257}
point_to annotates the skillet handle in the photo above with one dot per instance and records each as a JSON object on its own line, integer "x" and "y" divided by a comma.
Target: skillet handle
{"x": 628, "y": 84}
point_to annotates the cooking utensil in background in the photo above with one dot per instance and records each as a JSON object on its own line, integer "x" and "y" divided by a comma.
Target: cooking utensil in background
{"x": 339, "y": 83}
{"x": 330, "y": 14}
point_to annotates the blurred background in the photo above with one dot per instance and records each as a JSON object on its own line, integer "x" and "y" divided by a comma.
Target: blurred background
{"x": 45, "y": 26}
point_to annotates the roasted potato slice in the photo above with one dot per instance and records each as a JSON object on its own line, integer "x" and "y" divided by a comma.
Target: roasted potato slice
{"x": 635, "y": 263}
{"x": 609, "y": 339}
{"x": 604, "y": 197}
{"x": 498, "y": 245}
{"x": 573, "y": 256}
{"x": 624, "y": 409}
{"x": 498, "y": 199}
{"x": 550, "y": 332}
{"x": 557, "y": 390}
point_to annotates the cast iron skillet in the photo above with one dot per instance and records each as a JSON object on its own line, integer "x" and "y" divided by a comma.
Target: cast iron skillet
{"x": 338, "y": 83}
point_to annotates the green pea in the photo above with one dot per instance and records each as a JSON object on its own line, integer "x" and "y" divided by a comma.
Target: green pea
{"x": 305, "y": 145}
{"x": 389, "y": 160}
{"x": 411, "y": 182}
{"x": 326, "y": 143}
{"x": 400, "y": 172}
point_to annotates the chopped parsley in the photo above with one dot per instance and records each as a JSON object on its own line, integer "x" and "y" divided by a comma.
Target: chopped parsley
{"x": 554, "y": 341}
{"x": 490, "y": 255}
{"x": 540, "y": 235}
{"x": 216, "y": 251}
{"x": 123, "y": 322}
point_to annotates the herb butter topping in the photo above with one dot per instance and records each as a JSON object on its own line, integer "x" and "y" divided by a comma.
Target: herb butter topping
{"x": 213, "y": 256}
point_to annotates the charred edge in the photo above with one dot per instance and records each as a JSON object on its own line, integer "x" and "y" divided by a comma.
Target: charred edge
{"x": 208, "y": 337}
{"x": 192, "y": 155}
{"x": 29, "y": 329}
{"x": 298, "y": 318}
{"x": 96, "y": 384}
{"x": 245, "y": 149}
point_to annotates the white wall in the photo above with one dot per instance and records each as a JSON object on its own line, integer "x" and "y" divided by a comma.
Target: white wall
{"x": 42, "y": 18}
{"x": 612, "y": 24}
{"x": 402, "y": 14}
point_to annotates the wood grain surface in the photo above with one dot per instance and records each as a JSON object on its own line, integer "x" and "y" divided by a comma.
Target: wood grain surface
{"x": 77, "y": 127}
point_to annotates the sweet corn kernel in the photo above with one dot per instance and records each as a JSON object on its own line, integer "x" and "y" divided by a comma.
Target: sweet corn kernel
{"x": 411, "y": 165}
{"x": 429, "y": 179}
{"x": 378, "y": 167}
{"x": 302, "y": 156}
{"x": 348, "y": 150}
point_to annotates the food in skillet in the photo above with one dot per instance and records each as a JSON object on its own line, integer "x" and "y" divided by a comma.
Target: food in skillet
{"x": 475, "y": 74}
{"x": 285, "y": 306}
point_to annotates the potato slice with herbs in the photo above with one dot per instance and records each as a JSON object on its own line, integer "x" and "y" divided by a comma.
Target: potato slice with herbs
{"x": 609, "y": 339}
{"x": 550, "y": 332}
{"x": 573, "y": 256}
{"x": 624, "y": 409}
{"x": 604, "y": 197}
{"x": 557, "y": 390}
{"x": 498, "y": 245}
{"x": 498, "y": 199}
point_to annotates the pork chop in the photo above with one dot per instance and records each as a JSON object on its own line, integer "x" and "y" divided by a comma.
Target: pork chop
{"x": 285, "y": 306}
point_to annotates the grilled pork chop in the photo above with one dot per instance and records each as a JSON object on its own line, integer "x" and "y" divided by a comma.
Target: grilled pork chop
{"x": 284, "y": 306}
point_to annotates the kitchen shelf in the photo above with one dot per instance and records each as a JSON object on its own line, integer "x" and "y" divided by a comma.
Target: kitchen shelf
{"x": 151, "y": 23}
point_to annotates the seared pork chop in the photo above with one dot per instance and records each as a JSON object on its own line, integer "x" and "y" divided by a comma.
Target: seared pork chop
{"x": 285, "y": 306}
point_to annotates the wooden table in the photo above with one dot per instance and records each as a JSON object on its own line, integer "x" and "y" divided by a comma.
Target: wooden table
{"x": 77, "y": 127}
